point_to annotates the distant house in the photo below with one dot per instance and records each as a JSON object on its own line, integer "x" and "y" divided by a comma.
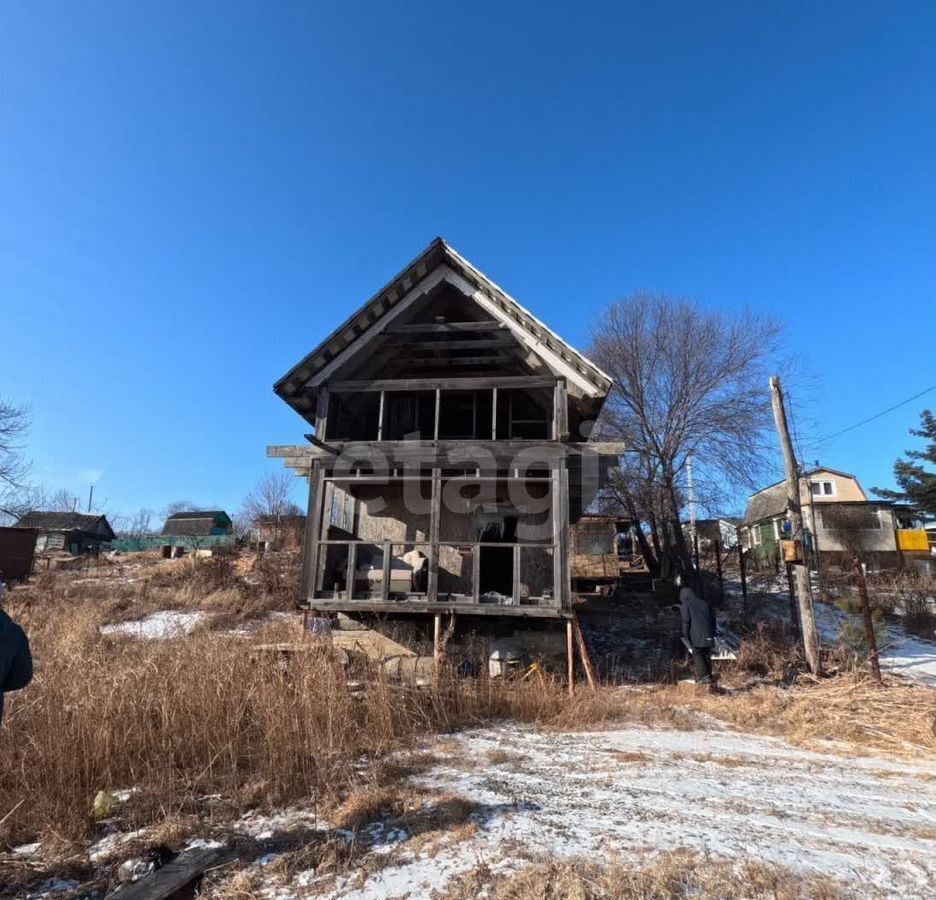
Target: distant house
{"x": 278, "y": 532}
{"x": 887, "y": 531}
{"x": 723, "y": 531}
{"x": 198, "y": 523}
{"x": 72, "y": 532}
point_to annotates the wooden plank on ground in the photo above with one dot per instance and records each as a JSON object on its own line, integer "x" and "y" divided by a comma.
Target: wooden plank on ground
{"x": 172, "y": 877}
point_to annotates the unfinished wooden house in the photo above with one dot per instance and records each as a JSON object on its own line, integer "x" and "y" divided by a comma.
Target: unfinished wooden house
{"x": 449, "y": 451}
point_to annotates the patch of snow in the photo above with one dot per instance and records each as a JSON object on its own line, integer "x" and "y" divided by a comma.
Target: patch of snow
{"x": 902, "y": 654}
{"x": 636, "y": 792}
{"x": 157, "y": 626}
{"x": 203, "y": 844}
{"x": 106, "y": 845}
{"x": 27, "y": 849}
{"x": 264, "y": 827}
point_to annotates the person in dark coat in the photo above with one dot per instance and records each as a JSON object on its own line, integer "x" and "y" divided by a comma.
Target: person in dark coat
{"x": 698, "y": 626}
{"x": 16, "y": 668}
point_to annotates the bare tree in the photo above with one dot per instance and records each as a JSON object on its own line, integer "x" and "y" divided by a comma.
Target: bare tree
{"x": 62, "y": 500}
{"x": 134, "y": 526}
{"x": 14, "y": 425}
{"x": 270, "y": 501}
{"x": 686, "y": 382}
{"x": 178, "y": 506}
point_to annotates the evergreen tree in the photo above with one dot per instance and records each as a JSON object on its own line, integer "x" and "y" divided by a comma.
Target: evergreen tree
{"x": 917, "y": 483}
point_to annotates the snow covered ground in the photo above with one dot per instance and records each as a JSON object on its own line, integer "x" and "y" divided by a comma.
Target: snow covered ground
{"x": 157, "y": 626}
{"x": 902, "y": 654}
{"x": 636, "y": 791}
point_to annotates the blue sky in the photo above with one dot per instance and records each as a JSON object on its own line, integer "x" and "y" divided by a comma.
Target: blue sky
{"x": 193, "y": 195}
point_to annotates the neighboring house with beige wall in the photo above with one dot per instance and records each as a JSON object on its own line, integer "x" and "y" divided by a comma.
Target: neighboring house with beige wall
{"x": 876, "y": 526}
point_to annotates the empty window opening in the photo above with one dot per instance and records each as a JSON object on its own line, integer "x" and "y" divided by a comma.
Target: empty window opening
{"x": 465, "y": 415}
{"x": 353, "y": 417}
{"x": 409, "y": 415}
{"x": 524, "y": 414}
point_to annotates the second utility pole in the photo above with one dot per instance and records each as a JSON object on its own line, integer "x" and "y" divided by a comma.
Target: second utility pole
{"x": 803, "y": 590}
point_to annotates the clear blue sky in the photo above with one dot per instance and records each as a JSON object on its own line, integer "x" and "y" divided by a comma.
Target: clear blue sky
{"x": 192, "y": 195}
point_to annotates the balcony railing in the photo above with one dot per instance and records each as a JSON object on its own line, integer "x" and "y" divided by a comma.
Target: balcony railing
{"x": 512, "y": 574}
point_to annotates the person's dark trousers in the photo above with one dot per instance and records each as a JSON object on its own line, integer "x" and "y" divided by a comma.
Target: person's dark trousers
{"x": 702, "y": 663}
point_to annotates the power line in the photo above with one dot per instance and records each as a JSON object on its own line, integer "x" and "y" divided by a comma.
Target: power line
{"x": 884, "y": 412}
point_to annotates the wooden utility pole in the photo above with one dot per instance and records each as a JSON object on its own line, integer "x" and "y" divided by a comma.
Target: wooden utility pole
{"x": 807, "y": 615}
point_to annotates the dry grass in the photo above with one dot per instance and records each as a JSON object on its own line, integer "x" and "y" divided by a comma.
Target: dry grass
{"x": 203, "y": 715}
{"x": 666, "y": 877}
{"x": 896, "y": 719}
{"x": 631, "y": 756}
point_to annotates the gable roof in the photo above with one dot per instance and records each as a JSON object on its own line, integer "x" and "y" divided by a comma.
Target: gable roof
{"x": 197, "y": 514}
{"x": 438, "y": 262}
{"x": 771, "y": 501}
{"x": 66, "y": 521}
{"x": 195, "y": 523}
{"x": 766, "y": 504}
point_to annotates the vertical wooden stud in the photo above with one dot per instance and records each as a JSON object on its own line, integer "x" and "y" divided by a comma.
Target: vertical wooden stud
{"x": 435, "y": 511}
{"x": 570, "y": 656}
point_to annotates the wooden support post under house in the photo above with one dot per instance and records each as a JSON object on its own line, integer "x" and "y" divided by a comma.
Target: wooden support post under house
{"x": 437, "y": 641}
{"x": 583, "y": 653}
{"x": 570, "y": 657}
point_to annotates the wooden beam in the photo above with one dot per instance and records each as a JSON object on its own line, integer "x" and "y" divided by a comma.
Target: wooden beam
{"x": 583, "y": 653}
{"x": 380, "y": 417}
{"x": 321, "y": 413}
{"x": 494, "y": 413}
{"x": 515, "y": 588}
{"x": 435, "y": 513}
{"x": 561, "y": 412}
{"x": 421, "y": 607}
{"x": 173, "y": 877}
{"x": 449, "y": 362}
{"x": 555, "y": 512}
{"x": 313, "y": 530}
{"x": 570, "y": 658}
{"x": 502, "y": 340}
{"x": 445, "y": 327}
{"x": 446, "y": 384}
{"x": 351, "y": 570}
{"x": 385, "y": 583}
{"x": 565, "y": 584}
{"x": 321, "y": 445}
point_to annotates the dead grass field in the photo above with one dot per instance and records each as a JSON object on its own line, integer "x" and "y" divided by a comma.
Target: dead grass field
{"x": 207, "y": 714}
{"x": 670, "y": 876}
{"x": 204, "y": 727}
